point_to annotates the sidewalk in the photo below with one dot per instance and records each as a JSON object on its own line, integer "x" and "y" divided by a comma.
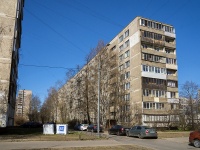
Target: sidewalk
{"x": 56, "y": 144}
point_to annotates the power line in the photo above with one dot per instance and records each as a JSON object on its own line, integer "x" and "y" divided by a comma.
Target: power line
{"x": 52, "y": 67}
{"x": 100, "y": 16}
{"x": 63, "y": 37}
{"x": 147, "y": 6}
{"x": 81, "y": 25}
{"x": 178, "y": 9}
{"x": 159, "y": 8}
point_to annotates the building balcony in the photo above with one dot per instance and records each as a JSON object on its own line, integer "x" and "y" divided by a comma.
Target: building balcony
{"x": 172, "y": 77}
{"x": 172, "y": 66}
{"x": 154, "y": 111}
{"x": 171, "y": 45}
{"x": 173, "y": 35}
{"x": 174, "y": 89}
{"x": 173, "y": 100}
{"x": 159, "y": 42}
{"x": 148, "y": 40}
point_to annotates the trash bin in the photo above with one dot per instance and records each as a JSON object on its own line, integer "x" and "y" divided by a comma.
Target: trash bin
{"x": 48, "y": 129}
{"x": 62, "y": 129}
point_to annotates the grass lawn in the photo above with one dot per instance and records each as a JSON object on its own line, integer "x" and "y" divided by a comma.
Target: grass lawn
{"x": 36, "y": 134}
{"x": 16, "y": 134}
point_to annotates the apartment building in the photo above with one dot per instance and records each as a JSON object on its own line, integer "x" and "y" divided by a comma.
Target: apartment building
{"x": 11, "y": 15}
{"x": 139, "y": 80}
{"x": 23, "y": 103}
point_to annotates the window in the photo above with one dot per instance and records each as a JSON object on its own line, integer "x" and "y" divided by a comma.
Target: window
{"x": 144, "y": 46}
{"x": 152, "y": 105}
{"x": 127, "y": 107}
{"x": 127, "y": 54}
{"x": 171, "y": 83}
{"x": 172, "y": 94}
{"x": 170, "y": 61}
{"x": 126, "y": 33}
{"x": 121, "y": 38}
{"x": 153, "y": 93}
{"x": 127, "y": 75}
{"x": 126, "y": 44}
{"x": 127, "y": 86}
{"x": 121, "y": 67}
{"x": 113, "y": 48}
{"x": 142, "y": 22}
{"x": 159, "y": 106}
{"x": 127, "y": 64}
{"x": 121, "y": 47}
{"x": 171, "y": 72}
{"x": 127, "y": 97}
{"x": 121, "y": 57}
{"x": 145, "y": 68}
{"x": 157, "y": 48}
{"x": 174, "y": 106}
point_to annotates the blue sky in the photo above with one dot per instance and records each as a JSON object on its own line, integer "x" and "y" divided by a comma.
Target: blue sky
{"x": 60, "y": 33}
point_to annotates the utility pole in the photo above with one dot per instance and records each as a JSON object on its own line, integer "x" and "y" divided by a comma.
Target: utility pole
{"x": 98, "y": 107}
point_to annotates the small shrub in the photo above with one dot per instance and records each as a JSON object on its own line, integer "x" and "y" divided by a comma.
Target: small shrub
{"x": 19, "y": 120}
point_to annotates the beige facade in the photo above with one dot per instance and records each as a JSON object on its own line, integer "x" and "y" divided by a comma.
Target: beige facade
{"x": 11, "y": 15}
{"x": 139, "y": 80}
{"x": 23, "y": 103}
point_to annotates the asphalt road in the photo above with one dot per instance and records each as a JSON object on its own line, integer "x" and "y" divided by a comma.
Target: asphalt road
{"x": 157, "y": 144}
{"x": 180, "y": 143}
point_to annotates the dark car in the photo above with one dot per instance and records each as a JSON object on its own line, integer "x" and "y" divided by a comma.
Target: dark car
{"x": 118, "y": 129}
{"x": 93, "y": 128}
{"x": 194, "y": 138}
{"x": 142, "y": 132}
{"x": 76, "y": 127}
{"x": 31, "y": 124}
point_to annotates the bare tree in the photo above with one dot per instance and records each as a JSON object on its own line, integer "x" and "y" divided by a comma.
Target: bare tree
{"x": 190, "y": 91}
{"x": 49, "y": 109}
{"x": 34, "y": 109}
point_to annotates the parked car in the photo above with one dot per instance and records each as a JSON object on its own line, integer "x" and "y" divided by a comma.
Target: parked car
{"x": 31, "y": 124}
{"x": 142, "y": 132}
{"x": 83, "y": 127}
{"x": 76, "y": 127}
{"x": 194, "y": 138}
{"x": 93, "y": 128}
{"x": 118, "y": 129}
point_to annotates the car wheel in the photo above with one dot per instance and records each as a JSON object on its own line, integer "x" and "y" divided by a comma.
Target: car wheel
{"x": 196, "y": 143}
{"x": 109, "y": 133}
{"x": 118, "y": 133}
{"x": 92, "y": 130}
{"x": 140, "y": 136}
{"x": 127, "y": 134}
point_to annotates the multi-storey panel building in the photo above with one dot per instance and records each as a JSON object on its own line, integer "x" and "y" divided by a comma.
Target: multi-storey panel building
{"x": 23, "y": 103}
{"x": 141, "y": 83}
{"x": 11, "y": 15}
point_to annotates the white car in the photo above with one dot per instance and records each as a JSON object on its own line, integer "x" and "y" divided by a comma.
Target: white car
{"x": 83, "y": 127}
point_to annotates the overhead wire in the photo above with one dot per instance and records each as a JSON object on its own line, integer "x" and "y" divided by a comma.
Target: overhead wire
{"x": 59, "y": 34}
{"x": 178, "y": 9}
{"x": 61, "y": 15}
{"x": 100, "y": 16}
{"x": 52, "y": 67}
{"x": 146, "y": 7}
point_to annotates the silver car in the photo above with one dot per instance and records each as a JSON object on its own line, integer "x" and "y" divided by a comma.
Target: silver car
{"x": 83, "y": 127}
{"x": 142, "y": 132}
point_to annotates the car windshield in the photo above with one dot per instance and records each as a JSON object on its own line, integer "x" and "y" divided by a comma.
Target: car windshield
{"x": 146, "y": 127}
